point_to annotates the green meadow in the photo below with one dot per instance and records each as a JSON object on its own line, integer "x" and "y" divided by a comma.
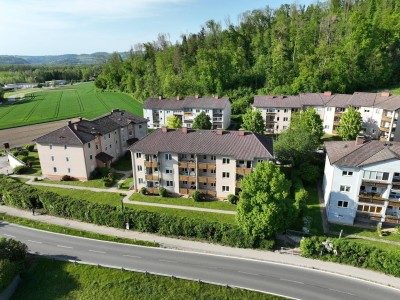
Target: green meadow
{"x": 80, "y": 100}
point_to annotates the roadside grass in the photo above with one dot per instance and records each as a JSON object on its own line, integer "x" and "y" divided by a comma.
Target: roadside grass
{"x": 126, "y": 184}
{"x": 95, "y": 183}
{"x": 94, "y": 197}
{"x": 212, "y": 204}
{"x": 20, "y": 179}
{"x": 48, "y": 105}
{"x": 53, "y": 279}
{"x": 72, "y": 231}
{"x": 123, "y": 164}
{"x": 313, "y": 211}
{"x": 347, "y": 230}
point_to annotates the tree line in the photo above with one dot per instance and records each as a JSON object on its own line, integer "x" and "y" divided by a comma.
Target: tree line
{"x": 338, "y": 45}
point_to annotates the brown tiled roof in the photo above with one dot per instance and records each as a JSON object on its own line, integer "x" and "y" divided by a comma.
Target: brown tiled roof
{"x": 188, "y": 102}
{"x": 207, "y": 142}
{"x": 104, "y": 157}
{"x": 277, "y": 102}
{"x": 84, "y": 131}
{"x": 348, "y": 154}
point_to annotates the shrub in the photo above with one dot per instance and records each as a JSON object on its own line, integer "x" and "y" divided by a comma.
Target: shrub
{"x": 21, "y": 170}
{"x": 30, "y": 147}
{"x": 143, "y": 191}
{"x": 108, "y": 180}
{"x": 22, "y": 158}
{"x": 23, "y": 152}
{"x": 15, "y": 153}
{"x": 379, "y": 230}
{"x": 397, "y": 230}
{"x": 232, "y": 199}
{"x": 162, "y": 192}
{"x": 196, "y": 196}
{"x": 67, "y": 178}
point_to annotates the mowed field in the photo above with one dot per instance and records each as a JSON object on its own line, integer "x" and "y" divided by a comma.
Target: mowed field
{"x": 63, "y": 103}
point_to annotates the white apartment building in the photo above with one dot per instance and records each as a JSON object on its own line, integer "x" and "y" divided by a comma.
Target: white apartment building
{"x": 78, "y": 148}
{"x": 362, "y": 182}
{"x": 157, "y": 110}
{"x": 185, "y": 160}
{"x": 379, "y": 111}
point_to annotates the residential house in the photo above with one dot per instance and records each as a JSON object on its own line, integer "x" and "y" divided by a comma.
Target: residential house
{"x": 157, "y": 110}
{"x": 362, "y": 182}
{"x": 79, "y": 147}
{"x": 185, "y": 160}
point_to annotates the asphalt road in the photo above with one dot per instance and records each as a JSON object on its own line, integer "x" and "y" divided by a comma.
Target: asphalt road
{"x": 274, "y": 278}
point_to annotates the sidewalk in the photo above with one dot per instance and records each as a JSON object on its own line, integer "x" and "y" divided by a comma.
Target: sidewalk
{"x": 322, "y": 208}
{"x": 203, "y": 247}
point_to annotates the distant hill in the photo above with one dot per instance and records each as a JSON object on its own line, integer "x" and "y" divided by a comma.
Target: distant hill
{"x": 65, "y": 59}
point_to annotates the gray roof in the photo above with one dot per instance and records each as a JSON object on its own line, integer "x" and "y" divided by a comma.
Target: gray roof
{"x": 348, "y": 154}
{"x": 357, "y": 99}
{"x": 84, "y": 131}
{"x": 247, "y": 147}
{"x": 188, "y": 102}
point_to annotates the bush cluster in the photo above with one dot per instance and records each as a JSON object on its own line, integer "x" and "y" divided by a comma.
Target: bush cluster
{"x": 30, "y": 147}
{"x": 67, "y": 178}
{"x": 21, "y": 169}
{"x": 23, "y": 196}
{"x": 232, "y": 199}
{"x": 351, "y": 253}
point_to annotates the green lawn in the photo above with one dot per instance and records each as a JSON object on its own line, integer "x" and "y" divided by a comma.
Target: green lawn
{"x": 51, "y": 279}
{"x": 123, "y": 164}
{"x": 126, "y": 184}
{"x": 313, "y": 211}
{"x": 36, "y": 169}
{"x": 71, "y": 231}
{"x": 65, "y": 102}
{"x": 379, "y": 245}
{"x": 96, "y": 183}
{"x": 183, "y": 202}
{"x": 24, "y": 91}
{"x": 335, "y": 228}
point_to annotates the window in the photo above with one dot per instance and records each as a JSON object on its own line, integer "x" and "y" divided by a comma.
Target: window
{"x": 109, "y": 135}
{"x": 192, "y": 156}
{"x": 51, "y": 146}
{"x": 225, "y": 174}
{"x": 213, "y": 157}
{"x": 374, "y": 175}
{"x": 285, "y": 110}
{"x": 344, "y": 204}
{"x": 138, "y": 155}
{"x": 168, "y": 156}
{"x": 285, "y": 119}
{"x": 110, "y": 146}
{"x": 69, "y": 170}
{"x": 213, "y": 171}
{"x": 213, "y": 184}
{"x": 184, "y": 182}
{"x": 116, "y": 142}
{"x": 88, "y": 145}
{"x": 225, "y": 188}
{"x": 140, "y": 168}
{"x": 347, "y": 173}
{"x": 277, "y": 127}
{"x": 97, "y": 147}
{"x": 329, "y": 109}
{"x": 168, "y": 171}
{"x": 55, "y": 170}
{"x": 345, "y": 188}
{"x": 90, "y": 157}
{"x": 197, "y": 110}
{"x": 326, "y": 126}
{"x": 140, "y": 126}
{"x": 277, "y": 118}
{"x": 377, "y": 110}
{"x": 366, "y": 110}
{"x": 260, "y": 160}
{"x": 52, "y": 158}
{"x": 284, "y": 127}
{"x": 106, "y": 149}
{"x": 204, "y": 183}
{"x": 204, "y": 156}
{"x": 140, "y": 180}
{"x": 67, "y": 159}
{"x": 183, "y": 156}
{"x": 226, "y": 161}
{"x": 65, "y": 147}
{"x": 130, "y": 132}
{"x": 170, "y": 183}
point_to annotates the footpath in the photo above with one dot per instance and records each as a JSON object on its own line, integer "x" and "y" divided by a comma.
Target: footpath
{"x": 202, "y": 247}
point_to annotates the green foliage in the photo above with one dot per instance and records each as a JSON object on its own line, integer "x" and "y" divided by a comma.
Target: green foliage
{"x": 162, "y": 192}
{"x": 202, "y": 121}
{"x": 265, "y": 207}
{"x": 379, "y": 230}
{"x": 30, "y": 147}
{"x": 143, "y": 190}
{"x": 349, "y": 252}
{"x": 253, "y": 121}
{"x": 21, "y": 170}
{"x": 8, "y": 270}
{"x": 350, "y": 124}
{"x": 23, "y": 152}
{"x": 174, "y": 122}
{"x": 196, "y": 196}
{"x": 23, "y": 158}
{"x": 232, "y": 199}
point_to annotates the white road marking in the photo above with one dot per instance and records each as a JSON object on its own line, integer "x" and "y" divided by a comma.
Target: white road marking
{"x": 133, "y": 256}
{"x": 61, "y": 246}
{"x": 333, "y": 290}
{"x": 299, "y": 282}
{"x": 9, "y": 235}
{"x": 97, "y": 251}
{"x": 247, "y": 273}
{"x": 167, "y": 261}
{"x": 35, "y": 242}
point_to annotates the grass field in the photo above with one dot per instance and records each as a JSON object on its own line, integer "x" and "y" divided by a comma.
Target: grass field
{"x": 51, "y": 279}
{"x": 95, "y": 183}
{"x": 63, "y": 103}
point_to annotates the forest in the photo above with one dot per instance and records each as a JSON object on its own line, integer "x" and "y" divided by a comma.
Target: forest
{"x": 339, "y": 45}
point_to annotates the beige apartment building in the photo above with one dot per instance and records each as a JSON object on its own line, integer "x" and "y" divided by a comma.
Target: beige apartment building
{"x": 379, "y": 111}
{"x": 157, "y": 110}
{"x": 185, "y": 160}
{"x": 79, "y": 147}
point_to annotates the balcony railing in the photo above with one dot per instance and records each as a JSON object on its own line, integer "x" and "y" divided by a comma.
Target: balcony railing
{"x": 243, "y": 171}
{"x": 152, "y": 190}
{"x": 208, "y": 192}
{"x": 187, "y": 178}
{"x": 384, "y": 129}
{"x": 392, "y": 219}
{"x": 151, "y": 177}
{"x": 150, "y": 164}
{"x": 186, "y": 191}
{"x": 371, "y": 198}
{"x": 208, "y": 166}
{"x": 187, "y": 164}
{"x": 375, "y": 183}
{"x": 387, "y": 119}
{"x": 366, "y": 215}
{"x": 394, "y": 202}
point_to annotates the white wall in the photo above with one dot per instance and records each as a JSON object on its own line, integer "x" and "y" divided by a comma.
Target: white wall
{"x": 231, "y": 181}
{"x": 14, "y": 162}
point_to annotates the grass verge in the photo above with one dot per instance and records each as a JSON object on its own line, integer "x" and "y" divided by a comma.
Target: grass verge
{"x": 126, "y": 184}
{"x": 313, "y": 211}
{"x": 50, "y": 279}
{"x": 73, "y": 232}
{"x": 95, "y": 183}
{"x": 212, "y": 204}
{"x": 347, "y": 230}
{"x": 123, "y": 164}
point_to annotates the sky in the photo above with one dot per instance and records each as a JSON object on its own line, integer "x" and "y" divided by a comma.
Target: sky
{"x": 52, "y": 27}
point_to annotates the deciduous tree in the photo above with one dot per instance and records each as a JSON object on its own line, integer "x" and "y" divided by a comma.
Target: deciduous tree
{"x": 350, "y": 124}
{"x": 253, "y": 121}
{"x": 174, "y": 122}
{"x": 202, "y": 121}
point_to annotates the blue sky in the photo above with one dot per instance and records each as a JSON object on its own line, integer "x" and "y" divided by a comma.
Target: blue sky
{"x": 45, "y": 27}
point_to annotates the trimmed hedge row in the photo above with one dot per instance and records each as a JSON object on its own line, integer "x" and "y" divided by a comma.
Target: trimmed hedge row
{"x": 351, "y": 253}
{"x": 23, "y": 196}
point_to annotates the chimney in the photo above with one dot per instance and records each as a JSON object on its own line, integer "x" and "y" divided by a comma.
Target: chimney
{"x": 359, "y": 140}
{"x": 159, "y": 97}
{"x": 327, "y": 93}
{"x": 216, "y": 97}
{"x": 385, "y": 94}
{"x": 178, "y": 98}
{"x": 281, "y": 97}
{"x": 115, "y": 110}
{"x": 164, "y": 129}
{"x": 241, "y": 132}
{"x": 80, "y": 119}
{"x": 219, "y": 131}
{"x": 76, "y": 126}
{"x": 197, "y": 96}
{"x": 184, "y": 130}
{"x": 271, "y": 97}
{"x": 69, "y": 122}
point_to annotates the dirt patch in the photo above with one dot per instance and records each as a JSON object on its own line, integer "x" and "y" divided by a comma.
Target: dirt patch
{"x": 23, "y": 135}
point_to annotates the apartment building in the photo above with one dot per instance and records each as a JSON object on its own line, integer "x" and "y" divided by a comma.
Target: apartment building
{"x": 185, "y": 160}
{"x": 362, "y": 182}
{"x": 379, "y": 111}
{"x": 157, "y": 110}
{"x": 79, "y": 147}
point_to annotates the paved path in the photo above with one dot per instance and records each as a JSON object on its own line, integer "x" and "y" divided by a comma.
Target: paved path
{"x": 203, "y": 247}
{"x": 322, "y": 208}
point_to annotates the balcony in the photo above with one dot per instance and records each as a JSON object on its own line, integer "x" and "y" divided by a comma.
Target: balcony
{"x": 375, "y": 183}
{"x": 187, "y": 178}
{"x": 188, "y": 114}
{"x": 396, "y": 185}
{"x": 384, "y": 129}
{"x": 270, "y": 121}
{"x": 202, "y": 179}
{"x": 152, "y": 190}
{"x": 208, "y": 192}
{"x": 392, "y": 219}
{"x": 219, "y": 115}
{"x": 151, "y": 177}
{"x": 150, "y": 164}
{"x": 372, "y": 217}
{"x": 186, "y": 191}
{"x": 270, "y": 114}
{"x": 371, "y": 198}
{"x": 387, "y": 119}
{"x": 243, "y": 171}
{"x": 238, "y": 184}
{"x": 394, "y": 202}
{"x": 336, "y": 122}
{"x": 207, "y": 166}
{"x": 338, "y": 114}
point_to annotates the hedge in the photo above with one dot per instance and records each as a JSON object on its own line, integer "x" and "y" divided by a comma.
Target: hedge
{"x": 24, "y": 196}
{"x": 351, "y": 253}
